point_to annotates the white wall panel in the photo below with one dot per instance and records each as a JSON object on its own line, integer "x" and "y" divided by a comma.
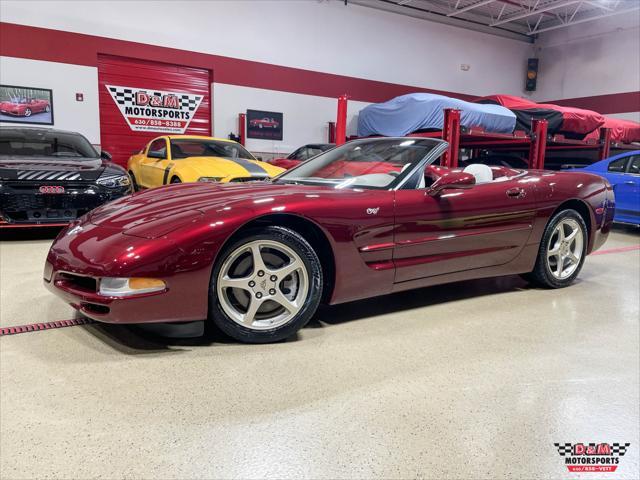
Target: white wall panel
{"x": 322, "y": 36}
{"x": 589, "y": 59}
{"x": 65, "y": 80}
{"x": 305, "y": 116}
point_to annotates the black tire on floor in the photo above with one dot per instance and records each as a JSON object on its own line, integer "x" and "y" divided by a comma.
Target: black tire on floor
{"x": 301, "y": 247}
{"x": 134, "y": 183}
{"x": 541, "y": 274}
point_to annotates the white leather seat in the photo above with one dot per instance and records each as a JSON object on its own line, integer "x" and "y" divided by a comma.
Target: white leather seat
{"x": 481, "y": 172}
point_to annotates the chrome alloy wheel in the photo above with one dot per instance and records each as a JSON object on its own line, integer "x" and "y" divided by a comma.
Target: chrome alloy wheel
{"x": 262, "y": 285}
{"x": 565, "y": 247}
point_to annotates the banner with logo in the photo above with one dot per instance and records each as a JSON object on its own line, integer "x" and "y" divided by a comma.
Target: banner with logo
{"x": 149, "y": 110}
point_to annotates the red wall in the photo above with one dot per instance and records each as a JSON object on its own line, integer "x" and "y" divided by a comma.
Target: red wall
{"x": 116, "y": 136}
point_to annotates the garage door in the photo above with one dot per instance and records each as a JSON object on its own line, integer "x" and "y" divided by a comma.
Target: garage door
{"x": 141, "y": 100}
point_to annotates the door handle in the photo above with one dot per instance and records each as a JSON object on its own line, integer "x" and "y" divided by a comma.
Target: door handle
{"x": 516, "y": 192}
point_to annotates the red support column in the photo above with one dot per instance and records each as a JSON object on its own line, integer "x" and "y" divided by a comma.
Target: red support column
{"x": 538, "y": 144}
{"x": 332, "y": 132}
{"x": 341, "y": 122}
{"x": 605, "y": 142}
{"x": 451, "y": 134}
{"x": 242, "y": 127}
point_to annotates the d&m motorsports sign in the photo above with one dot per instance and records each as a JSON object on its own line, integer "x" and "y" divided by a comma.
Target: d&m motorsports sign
{"x": 147, "y": 110}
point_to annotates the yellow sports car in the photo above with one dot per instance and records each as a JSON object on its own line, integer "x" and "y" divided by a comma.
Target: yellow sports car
{"x": 181, "y": 159}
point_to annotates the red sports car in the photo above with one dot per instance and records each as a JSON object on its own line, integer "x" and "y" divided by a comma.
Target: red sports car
{"x": 24, "y": 107}
{"x": 257, "y": 259}
{"x": 264, "y": 123}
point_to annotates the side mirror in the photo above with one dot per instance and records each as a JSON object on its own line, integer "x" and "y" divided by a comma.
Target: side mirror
{"x": 451, "y": 180}
{"x": 105, "y": 155}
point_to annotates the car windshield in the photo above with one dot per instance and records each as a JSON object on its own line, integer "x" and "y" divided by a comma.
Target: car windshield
{"x": 366, "y": 163}
{"x": 184, "y": 148}
{"x": 37, "y": 143}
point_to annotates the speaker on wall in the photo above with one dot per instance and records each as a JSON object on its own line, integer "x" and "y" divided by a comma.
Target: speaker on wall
{"x": 532, "y": 74}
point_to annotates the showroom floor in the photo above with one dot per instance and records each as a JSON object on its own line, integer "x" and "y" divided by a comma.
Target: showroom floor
{"x": 469, "y": 380}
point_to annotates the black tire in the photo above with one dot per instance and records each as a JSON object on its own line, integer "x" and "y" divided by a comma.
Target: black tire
{"x": 542, "y": 275}
{"x": 301, "y": 247}
{"x": 27, "y": 112}
{"x": 176, "y": 180}
{"x": 134, "y": 183}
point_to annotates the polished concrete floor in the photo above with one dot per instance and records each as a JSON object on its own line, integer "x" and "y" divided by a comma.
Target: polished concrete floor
{"x": 470, "y": 380}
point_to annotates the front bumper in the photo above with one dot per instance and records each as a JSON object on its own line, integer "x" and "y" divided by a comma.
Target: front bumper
{"x": 22, "y": 204}
{"x": 76, "y": 263}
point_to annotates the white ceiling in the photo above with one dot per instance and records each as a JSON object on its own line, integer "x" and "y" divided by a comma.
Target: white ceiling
{"x": 521, "y": 19}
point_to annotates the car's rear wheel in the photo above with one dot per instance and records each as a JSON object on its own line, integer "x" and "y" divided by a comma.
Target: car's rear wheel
{"x": 562, "y": 251}
{"x": 47, "y": 109}
{"x": 265, "y": 286}
{"x": 27, "y": 112}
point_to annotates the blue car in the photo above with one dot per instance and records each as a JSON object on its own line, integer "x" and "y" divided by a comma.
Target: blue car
{"x": 623, "y": 172}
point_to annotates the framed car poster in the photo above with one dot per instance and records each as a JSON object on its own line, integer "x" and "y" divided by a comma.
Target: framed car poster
{"x": 264, "y": 125}
{"x": 26, "y": 105}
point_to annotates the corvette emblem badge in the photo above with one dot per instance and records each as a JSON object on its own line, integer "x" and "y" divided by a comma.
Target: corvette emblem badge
{"x": 373, "y": 211}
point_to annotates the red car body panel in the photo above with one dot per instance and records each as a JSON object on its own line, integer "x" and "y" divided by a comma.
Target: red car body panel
{"x": 381, "y": 240}
{"x": 19, "y": 109}
{"x": 286, "y": 163}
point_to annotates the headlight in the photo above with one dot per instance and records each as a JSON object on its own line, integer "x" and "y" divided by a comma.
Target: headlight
{"x": 210, "y": 179}
{"x": 122, "y": 287}
{"x": 114, "y": 181}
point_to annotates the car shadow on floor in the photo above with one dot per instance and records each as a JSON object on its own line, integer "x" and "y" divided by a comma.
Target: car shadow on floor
{"x": 149, "y": 339}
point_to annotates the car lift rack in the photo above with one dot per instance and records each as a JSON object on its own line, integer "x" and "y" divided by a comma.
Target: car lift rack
{"x": 537, "y": 143}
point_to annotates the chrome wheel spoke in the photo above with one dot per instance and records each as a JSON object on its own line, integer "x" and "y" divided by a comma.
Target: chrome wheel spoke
{"x": 241, "y": 283}
{"x": 572, "y": 258}
{"x": 287, "y": 270}
{"x": 572, "y": 236}
{"x": 554, "y": 252}
{"x": 290, "y": 306}
{"x": 258, "y": 261}
{"x": 560, "y": 266}
{"x": 252, "y": 310}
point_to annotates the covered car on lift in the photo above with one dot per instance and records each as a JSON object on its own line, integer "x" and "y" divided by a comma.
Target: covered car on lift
{"x": 425, "y": 111}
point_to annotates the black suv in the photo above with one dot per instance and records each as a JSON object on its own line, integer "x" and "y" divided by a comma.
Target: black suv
{"x": 52, "y": 177}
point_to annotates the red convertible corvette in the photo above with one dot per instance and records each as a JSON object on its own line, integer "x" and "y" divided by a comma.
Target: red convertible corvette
{"x": 24, "y": 107}
{"x": 368, "y": 218}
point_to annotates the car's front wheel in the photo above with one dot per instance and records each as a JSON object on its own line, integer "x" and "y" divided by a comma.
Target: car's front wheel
{"x": 27, "y": 112}
{"x": 265, "y": 286}
{"x": 562, "y": 251}
{"x": 134, "y": 182}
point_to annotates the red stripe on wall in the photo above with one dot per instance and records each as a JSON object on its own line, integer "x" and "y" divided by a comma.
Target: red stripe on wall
{"x": 36, "y": 43}
{"x": 612, "y": 103}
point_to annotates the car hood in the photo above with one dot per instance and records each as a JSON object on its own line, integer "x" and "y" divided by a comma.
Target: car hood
{"x": 224, "y": 167}
{"x": 174, "y": 205}
{"x": 48, "y": 168}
